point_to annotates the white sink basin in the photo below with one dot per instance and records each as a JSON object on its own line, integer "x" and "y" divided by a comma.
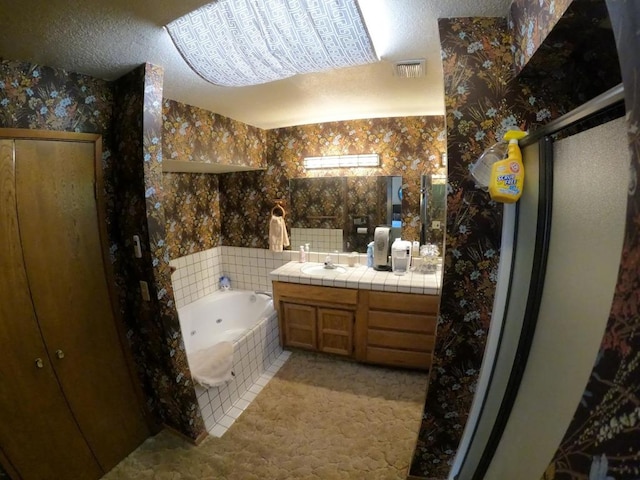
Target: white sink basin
{"x": 320, "y": 271}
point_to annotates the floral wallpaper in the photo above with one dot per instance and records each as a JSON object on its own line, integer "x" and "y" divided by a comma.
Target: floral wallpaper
{"x": 408, "y": 146}
{"x": 530, "y": 22}
{"x": 565, "y": 54}
{"x": 192, "y": 201}
{"x": 192, "y": 212}
{"x": 246, "y": 200}
{"x": 483, "y": 100}
{"x": 39, "y": 97}
{"x": 366, "y": 199}
{"x": 334, "y": 202}
{"x": 601, "y": 442}
{"x": 154, "y": 326}
{"x": 192, "y": 134}
{"x": 318, "y": 202}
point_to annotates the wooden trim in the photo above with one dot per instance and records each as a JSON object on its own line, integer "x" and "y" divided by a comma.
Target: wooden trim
{"x": 275, "y": 289}
{"x": 362, "y": 320}
{"x": 28, "y": 134}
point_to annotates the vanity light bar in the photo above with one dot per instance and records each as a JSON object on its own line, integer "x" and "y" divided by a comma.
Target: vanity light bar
{"x": 341, "y": 161}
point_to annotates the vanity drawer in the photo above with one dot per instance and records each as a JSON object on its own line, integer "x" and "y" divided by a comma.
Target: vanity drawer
{"x": 404, "y": 302}
{"x": 411, "y": 322}
{"x": 399, "y": 358}
{"x": 400, "y": 340}
{"x": 312, "y": 294}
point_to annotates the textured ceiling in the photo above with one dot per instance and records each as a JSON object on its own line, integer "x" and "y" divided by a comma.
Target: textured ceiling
{"x": 106, "y": 39}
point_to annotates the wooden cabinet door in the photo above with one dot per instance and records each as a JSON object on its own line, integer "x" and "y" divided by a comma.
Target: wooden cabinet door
{"x": 335, "y": 331}
{"x": 300, "y": 325}
{"x": 37, "y": 431}
{"x": 57, "y": 213}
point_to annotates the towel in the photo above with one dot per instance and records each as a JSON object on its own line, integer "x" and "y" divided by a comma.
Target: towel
{"x": 278, "y": 237}
{"x": 211, "y": 366}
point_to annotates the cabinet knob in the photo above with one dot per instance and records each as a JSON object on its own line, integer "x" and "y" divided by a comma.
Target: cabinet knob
{"x": 59, "y": 353}
{"x": 39, "y": 363}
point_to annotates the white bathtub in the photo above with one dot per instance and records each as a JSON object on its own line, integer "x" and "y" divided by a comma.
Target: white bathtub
{"x": 249, "y": 321}
{"x": 225, "y": 315}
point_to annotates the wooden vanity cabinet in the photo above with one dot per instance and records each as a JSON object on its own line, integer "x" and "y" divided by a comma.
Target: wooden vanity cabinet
{"x": 396, "y": 329}
{"x": 385, "y": 328}
{"x": 316, "y": 318}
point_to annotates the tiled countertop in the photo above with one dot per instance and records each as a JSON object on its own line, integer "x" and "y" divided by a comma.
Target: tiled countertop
{"x": 362, "y": 277}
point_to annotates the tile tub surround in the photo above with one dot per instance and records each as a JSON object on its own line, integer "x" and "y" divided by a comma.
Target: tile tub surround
{"x": 257, "y": 357}
{"x": 198, "y": 274}
{"x": 362, "y": 277}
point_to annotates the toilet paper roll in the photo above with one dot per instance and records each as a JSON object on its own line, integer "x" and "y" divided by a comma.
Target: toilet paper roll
{"x": 362, "y": 230}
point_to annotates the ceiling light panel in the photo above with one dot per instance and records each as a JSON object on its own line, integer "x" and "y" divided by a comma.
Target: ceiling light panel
{"x": 237, "y": 43}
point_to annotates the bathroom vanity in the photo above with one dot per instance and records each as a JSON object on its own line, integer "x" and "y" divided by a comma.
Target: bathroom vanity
{"x": 369, "y": 316}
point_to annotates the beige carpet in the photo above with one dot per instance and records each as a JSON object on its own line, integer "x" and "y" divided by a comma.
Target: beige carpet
{"x": 318, "y": 418}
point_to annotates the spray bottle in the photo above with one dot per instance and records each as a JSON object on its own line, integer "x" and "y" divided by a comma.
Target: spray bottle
{"x": 507, "y": 176}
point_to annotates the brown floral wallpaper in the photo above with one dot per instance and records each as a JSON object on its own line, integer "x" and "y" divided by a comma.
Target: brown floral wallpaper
{"x": 482, "y": 100}
{"x": 318, "y": 202}
{"x": 581, "y": 47}
{"x": 335, "y": 202}
{"x": 408, "y": 146}
{"x": 154, "y": 327}
{"x": 530, "y": 22}
{"x": 192, "y": 212}
{"x": 601, "y": 442}
{"x": 192, "y": 134}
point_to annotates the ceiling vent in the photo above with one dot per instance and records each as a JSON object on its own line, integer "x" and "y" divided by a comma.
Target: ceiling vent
{"x": 409, "y": 69}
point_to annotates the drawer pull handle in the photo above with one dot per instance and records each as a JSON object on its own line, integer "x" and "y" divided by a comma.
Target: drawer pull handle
{"x": 39, "y": 363}
{"x": 59, "y": 353}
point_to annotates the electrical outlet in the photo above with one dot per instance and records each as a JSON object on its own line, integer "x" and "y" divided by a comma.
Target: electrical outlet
{"x": 144, "y": 291}
{"x": 435, "y": 224}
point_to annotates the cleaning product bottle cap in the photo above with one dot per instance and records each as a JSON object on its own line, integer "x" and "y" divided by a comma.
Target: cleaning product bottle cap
{"x": 515, "y": 135}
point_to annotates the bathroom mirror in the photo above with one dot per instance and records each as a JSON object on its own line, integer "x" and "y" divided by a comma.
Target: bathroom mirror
{"x": 341, "y": 213}
{"x": 433, "y": 202}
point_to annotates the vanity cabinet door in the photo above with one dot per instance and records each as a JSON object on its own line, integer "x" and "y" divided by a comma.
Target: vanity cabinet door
{"x": 300, "y": 326}
{"x": 335, "y": 331}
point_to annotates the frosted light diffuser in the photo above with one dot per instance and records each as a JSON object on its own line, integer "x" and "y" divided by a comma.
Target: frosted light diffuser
{"x": 237, "y": 43}
{"x": 339, "y": 161}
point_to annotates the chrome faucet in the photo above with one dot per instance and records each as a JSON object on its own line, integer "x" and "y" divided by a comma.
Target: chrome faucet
{"x": 328, "y": 262}
{"x": 263, "y": 292}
